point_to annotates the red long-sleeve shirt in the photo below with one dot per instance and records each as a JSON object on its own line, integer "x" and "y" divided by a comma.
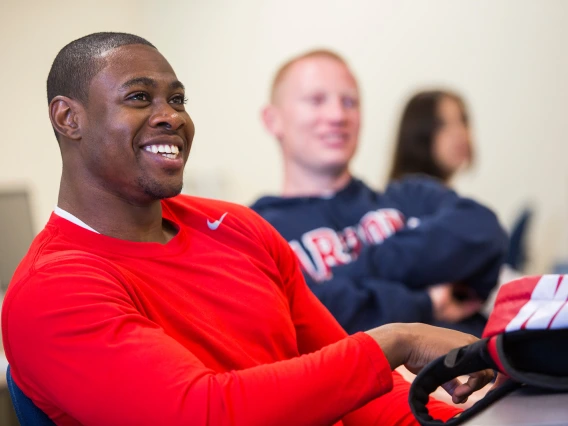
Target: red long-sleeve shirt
{"x": 216, "y": 327}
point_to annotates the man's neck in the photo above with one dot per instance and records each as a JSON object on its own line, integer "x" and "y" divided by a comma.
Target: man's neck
{"x": 115, "y": 217}
{"x": 306, "y": 184}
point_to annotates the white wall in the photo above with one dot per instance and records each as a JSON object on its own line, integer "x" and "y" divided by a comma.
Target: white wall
{"x": 507, "y": 57}
{"x": 31, "y": 34}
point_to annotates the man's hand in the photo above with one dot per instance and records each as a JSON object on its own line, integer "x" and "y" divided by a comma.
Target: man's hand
{"x": 446, "y": 308}
{"x": 416, "y": 345}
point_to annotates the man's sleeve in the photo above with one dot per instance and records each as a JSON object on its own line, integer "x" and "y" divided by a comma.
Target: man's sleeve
{"x": 77, "y": 343}
{"x": 316, "y": 328}
{"x": 455, "y": 240}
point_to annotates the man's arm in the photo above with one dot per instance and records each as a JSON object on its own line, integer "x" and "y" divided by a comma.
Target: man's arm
{"x": 457, "y": 240}
{"x": 363, "y": 303}
{"x": 316, "y": 328}
{"x": 77, "y": 342}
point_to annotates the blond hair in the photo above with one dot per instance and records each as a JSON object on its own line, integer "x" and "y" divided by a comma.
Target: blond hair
{"x": 285, "y": 68}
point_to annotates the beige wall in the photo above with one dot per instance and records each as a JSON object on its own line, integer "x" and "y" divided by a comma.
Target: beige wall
{"x": 31, "y": 34}
{"x": 508, "y": 58}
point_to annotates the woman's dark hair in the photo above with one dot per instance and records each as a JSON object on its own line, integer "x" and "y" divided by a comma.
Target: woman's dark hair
{"x": 419, "y": 123}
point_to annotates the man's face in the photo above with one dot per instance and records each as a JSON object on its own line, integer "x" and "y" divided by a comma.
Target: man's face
{"x": 317, "y": 115}
{"x": 136, "y": 135}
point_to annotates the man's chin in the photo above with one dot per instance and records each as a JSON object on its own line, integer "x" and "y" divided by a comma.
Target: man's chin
{"x": 335, "y": 168}
{"x": 171, "y": 193}
{"x": 158, "y": 191}
{"x": 336, "y": 160}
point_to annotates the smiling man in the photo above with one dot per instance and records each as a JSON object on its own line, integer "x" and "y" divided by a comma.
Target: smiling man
{"x": 139, "y": 306}
{"x": 415, "y": 252}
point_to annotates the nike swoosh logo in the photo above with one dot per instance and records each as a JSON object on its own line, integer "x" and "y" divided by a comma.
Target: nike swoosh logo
{"x": 214, "y": 225}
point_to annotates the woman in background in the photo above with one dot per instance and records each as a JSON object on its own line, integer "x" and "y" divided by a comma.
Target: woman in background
{"x": 434, "y": 140}
{"x": 433, "y": 137}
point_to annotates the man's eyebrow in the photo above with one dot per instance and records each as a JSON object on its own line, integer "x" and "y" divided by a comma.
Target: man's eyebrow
{"x": 138, "y": 81}
{"x": 177, "y": 85}
{"x": 147, "y": 81}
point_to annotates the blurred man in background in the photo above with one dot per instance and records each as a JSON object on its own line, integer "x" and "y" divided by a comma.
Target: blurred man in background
{"x": 417, "y": 252}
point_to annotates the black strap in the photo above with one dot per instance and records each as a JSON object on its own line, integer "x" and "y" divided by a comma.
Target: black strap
{"x": 460, "y": 361}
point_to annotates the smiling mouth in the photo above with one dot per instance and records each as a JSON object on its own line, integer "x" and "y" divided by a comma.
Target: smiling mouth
{"x": 335, "y": 136}
{"x": 168, "y": 151}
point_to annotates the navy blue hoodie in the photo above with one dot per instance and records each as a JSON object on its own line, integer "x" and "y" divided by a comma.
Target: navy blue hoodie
{"x": 369, "y": 256}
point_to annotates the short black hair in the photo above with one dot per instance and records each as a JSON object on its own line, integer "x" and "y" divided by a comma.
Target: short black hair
{"x": 77, "y": 63}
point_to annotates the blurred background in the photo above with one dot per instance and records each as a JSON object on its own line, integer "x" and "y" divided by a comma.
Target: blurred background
{"x": 506, "y": 57}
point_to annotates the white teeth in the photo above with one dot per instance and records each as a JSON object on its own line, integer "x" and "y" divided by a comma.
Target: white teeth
{"x": 169, "y": 151}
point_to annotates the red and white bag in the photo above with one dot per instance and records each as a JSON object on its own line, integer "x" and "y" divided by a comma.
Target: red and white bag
{"x": 526, "y": 338}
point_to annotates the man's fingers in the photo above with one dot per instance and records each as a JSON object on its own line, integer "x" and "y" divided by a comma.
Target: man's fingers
{"x": 451, "y": 386}
{"x": 485, "y": 377}
{"x": 499, "y": 380}
{"x": 455, "y": 311}
{"x": 472, "y": 305}
{"x": 461, "y": 391}
{"x": 475, "y": 382}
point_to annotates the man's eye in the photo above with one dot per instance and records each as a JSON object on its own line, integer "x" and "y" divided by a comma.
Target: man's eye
{"x": 316, "y": 99}
{"x": 179, "y": 99}
{"x": 350, "y": 103}
{"x": 139, "y": 97}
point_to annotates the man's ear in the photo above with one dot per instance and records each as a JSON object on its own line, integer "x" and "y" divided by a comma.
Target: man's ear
{"x": 271, "y": 118}
{"x": 65, "y": 114}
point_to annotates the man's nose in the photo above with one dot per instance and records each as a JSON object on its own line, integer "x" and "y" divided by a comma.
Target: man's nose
{"x": 165, "y": 115}
{"x": 335, "y": 110}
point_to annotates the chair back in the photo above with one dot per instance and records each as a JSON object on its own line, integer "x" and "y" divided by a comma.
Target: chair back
{"x": 28, "y": 413}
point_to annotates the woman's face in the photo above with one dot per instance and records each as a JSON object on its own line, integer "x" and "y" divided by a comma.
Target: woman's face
{"x": 452, "y": 146}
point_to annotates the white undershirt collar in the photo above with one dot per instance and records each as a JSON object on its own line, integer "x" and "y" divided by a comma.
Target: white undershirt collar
{"x": 74, "y": 219}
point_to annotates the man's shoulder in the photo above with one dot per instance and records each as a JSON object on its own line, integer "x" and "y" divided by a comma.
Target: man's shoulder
{"x": 417, "y": 188}
{"x": 49, "y": 259}
{"x": 416, "y": 182}
{"x": 272, "y": 208}
{"x": 269, "y": 203}
{"x": 49, "y": 250}
{"x": 211, "y": 208}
